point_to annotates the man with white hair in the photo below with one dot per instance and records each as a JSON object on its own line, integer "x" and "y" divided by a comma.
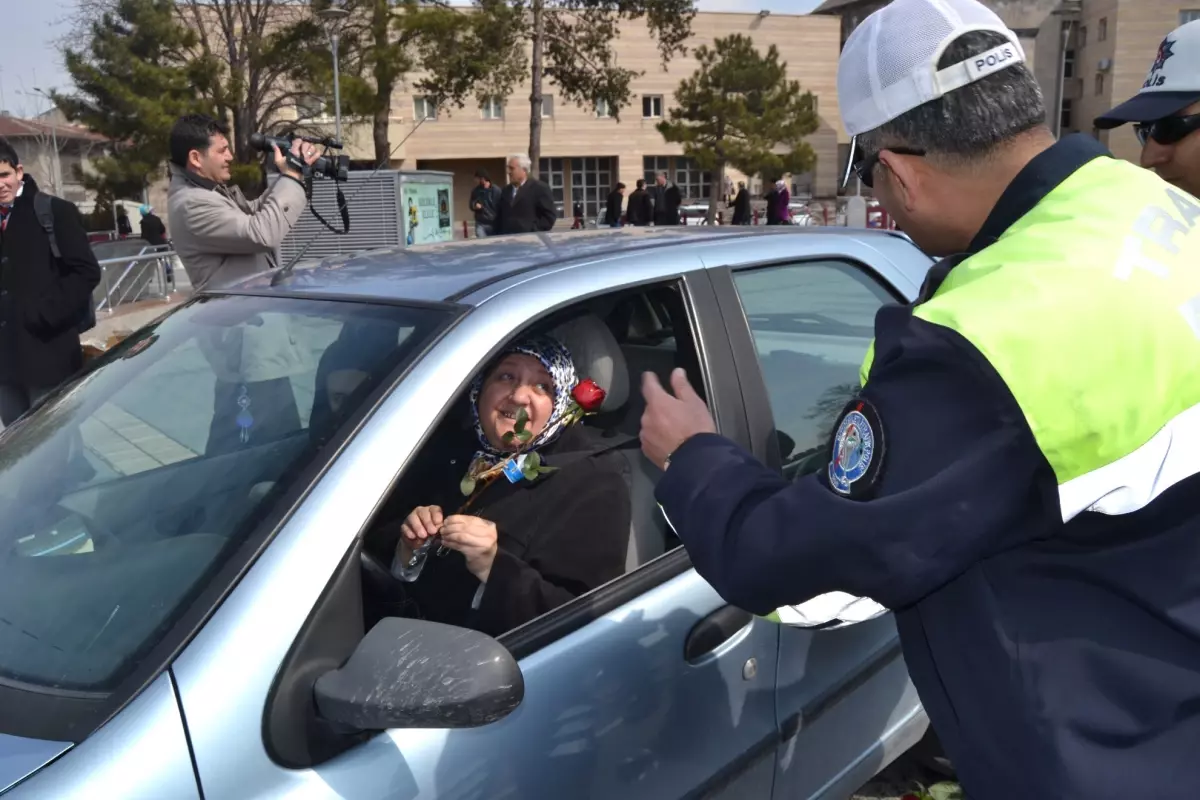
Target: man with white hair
{"x": 1016, "y": 477}
{"x": 526, "y": 204}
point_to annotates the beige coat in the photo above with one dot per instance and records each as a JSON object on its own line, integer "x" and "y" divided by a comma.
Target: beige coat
{"x": 222, "y": 238}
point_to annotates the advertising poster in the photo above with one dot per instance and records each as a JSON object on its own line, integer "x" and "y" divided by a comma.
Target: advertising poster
{"x": 425, "y": 219}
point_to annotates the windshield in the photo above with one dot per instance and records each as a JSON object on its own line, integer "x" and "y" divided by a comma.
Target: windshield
{"x": 124, "y": 493}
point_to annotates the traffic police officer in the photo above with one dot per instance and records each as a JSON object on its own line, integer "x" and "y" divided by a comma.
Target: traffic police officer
{"x": 1166, "y": 112}
{"x": 1017, "y": 475}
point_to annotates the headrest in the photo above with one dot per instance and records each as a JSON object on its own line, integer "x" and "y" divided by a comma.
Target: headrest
{"x": 597, "y": 355}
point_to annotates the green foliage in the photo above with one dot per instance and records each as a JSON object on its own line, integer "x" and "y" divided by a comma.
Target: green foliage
{"x": 740, "y": 109}
{"x": 569, "y": 43}
{"x": 132, "y": 82}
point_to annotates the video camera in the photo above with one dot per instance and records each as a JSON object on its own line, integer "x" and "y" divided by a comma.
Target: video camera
{"x": 335, "y": 167}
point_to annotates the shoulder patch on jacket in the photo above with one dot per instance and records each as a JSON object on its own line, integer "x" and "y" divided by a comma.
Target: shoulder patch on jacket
{"x": 857, "y": 450}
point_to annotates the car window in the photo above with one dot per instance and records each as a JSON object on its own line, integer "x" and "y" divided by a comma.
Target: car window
{"x": 124, "y": 492}
{"x": 812, "y": 323}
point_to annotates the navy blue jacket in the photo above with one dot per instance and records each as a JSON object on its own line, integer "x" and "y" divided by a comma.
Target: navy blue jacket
{"x": 1055, "y": 661}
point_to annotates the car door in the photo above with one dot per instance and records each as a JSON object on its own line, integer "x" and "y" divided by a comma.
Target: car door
{"x": 648, "y": 687}
{"x": 800, "y": 317}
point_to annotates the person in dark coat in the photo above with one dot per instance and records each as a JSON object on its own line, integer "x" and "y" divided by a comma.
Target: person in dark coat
{"x": 152, "y": 228}
{"x": 741, "y": 205}
{"x": 667, "y": 200}
{"x": 526, "y": 204}
{"x": 485, "y": 197}
{"x": 43, "y": 300}
{"x": 124, "y": 226}
{"x": 612, "y": 210}
{"x": 512, "y": 551}
{"x": 771, "y": 197}
{"x": 640, "y": 208}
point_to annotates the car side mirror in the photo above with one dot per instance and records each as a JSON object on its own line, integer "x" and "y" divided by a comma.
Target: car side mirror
{"x": 409, "y": 673}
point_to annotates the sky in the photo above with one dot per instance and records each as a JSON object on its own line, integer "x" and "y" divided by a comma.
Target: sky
{"x": 29, "y": 57}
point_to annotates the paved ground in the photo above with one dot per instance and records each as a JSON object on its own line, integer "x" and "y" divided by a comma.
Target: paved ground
{"x": 903, "y": 776}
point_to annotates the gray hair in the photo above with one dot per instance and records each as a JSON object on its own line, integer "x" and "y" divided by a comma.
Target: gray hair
{"x": 522, "y": 161}
{"x": 967, "y": 123}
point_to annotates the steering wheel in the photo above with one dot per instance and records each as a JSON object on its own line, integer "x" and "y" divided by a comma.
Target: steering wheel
{"x": 101, "y": 536}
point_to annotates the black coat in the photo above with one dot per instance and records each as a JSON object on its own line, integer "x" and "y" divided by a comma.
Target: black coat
{"x": 741, "y": 208}
{"x": 640, "y": 209}
{"x": 153, "y": 230}
{"x": 43, "y": 302}
{"x": 489, "y": 198}
{"x": 667, "y": 200}
{"x": 558, "y": 537}
{"x": 532, "y": 210}
{"x": 612, "y": 209}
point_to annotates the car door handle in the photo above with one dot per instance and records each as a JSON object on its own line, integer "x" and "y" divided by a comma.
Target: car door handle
{"x": 717, "y": 628}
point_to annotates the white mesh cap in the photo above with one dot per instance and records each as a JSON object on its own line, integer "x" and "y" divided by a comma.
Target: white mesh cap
{"x": 889, "y": 63}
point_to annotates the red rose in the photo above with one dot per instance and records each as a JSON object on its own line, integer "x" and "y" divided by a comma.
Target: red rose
{"x": 588, "y": 394}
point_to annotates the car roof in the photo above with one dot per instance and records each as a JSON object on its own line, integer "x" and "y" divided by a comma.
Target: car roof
{"x": 449, "y": 271}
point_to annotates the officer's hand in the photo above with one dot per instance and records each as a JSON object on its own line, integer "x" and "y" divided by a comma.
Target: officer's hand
{"x": 670, "y": 421}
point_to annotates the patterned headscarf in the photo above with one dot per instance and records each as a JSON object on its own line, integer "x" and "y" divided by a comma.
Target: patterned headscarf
{"x": 557, "y": 360}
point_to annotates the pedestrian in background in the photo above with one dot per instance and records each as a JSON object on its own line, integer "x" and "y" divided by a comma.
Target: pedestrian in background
{"x": 667, "y": 200}
{"x": 612, "y": 209}
{"x": 741, "y": 205}
{"x": 152, "y": 229}
{"x": 485, "y": 199}
{"x": 639, "y": 210}
{"x": 782, "y": 201}
{"x": 45, "y": 296}
{"x": 1166, "y": 112}
{"x": 1016, "y": 477}
{"x": 526, "y": 204}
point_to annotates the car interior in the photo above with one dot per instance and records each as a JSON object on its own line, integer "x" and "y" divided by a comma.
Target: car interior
{"x": 613, "y": 340}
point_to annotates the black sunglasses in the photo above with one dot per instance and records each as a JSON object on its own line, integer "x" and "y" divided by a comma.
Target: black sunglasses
{"x": 1167, "y": 130}
{"x": 864, "y": 168}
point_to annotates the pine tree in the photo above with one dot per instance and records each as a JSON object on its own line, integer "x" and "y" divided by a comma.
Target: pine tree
{"x": 383, "y": 41}
{"x": 739, "y": 109}
{"x": 133, "y": 80}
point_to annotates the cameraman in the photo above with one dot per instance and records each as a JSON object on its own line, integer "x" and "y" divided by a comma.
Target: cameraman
{"x": 219, "y": 235}
{"x": 222, "y": 238}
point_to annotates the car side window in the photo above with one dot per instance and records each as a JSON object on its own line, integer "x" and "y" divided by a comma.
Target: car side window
{"x": 812, "y": 323}
{"x": 645, "y": 330}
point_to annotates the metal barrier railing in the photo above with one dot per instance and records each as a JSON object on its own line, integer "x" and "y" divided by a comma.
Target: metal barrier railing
{"x": 145, "y": 276}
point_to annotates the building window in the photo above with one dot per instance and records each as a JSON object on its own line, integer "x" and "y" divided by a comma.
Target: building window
{"x": 591, "y": 181}
{"x": 547, "y": 106}
{"x": 1099, "y": 83}
{"x": 691, "y": 180}
{"x": 1082, "y": 37}
{"x": 424, "y": 108}
{"x": 602, "y": 109}
{"x": 550, "y": 172}
{"x": 652, "y": 106}
{"x": 1189, "y": 15}
{"x": 492, "y": 108}
{"x": 1065, "y": 119}
{"x": 1069, "y": 64}
{"x": 1102, "y": 29}
{"x": 652, "y": 165}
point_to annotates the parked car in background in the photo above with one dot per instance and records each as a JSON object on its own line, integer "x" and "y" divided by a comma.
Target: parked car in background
{"x": 184, "y": 622}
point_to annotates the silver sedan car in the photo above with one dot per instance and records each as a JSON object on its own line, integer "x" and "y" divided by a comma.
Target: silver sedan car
{"x": 185, "y": 532}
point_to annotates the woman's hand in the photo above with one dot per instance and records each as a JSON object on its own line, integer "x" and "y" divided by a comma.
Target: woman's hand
{"x": 475, "y": 538}
{"x": 422, "y": 523}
